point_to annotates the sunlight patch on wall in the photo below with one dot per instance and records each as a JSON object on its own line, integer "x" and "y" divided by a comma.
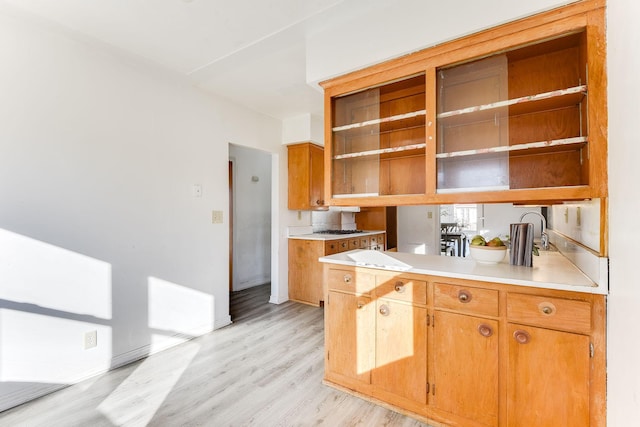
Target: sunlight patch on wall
{"x": 178, "y": 312}
{"x": 41, "y": 348}
{"x": 35, "y": 272}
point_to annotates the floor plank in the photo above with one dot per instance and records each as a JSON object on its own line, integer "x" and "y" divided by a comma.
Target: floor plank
{"x": 265, "y": 369}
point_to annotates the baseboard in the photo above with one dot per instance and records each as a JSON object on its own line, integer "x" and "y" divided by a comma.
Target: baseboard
{"x": 37, "y": 390}
{"x": 18, "y": 398}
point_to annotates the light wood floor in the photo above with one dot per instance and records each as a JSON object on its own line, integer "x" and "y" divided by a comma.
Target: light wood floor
{"x": 263, "y": 370}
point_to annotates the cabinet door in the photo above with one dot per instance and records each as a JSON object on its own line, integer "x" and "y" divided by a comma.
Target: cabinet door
{"x": 305, "y": 271}
{"x": 548, "y": 377}
{"x": 306, "y": 176}
{"x": 401, "y": 350}
{"x": 466, "y": 366}
{"x": 316, "y": 179}
{"x": 350, "y": 336}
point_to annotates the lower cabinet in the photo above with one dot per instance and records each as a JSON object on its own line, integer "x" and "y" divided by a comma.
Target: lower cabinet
{"x": 465, "y": 359}
{"x": 400, "y": 350}
{"x": 466, "y": 353}
{"x": 351, "y": 321}
{"x": 305, "y": 271}
{"x": 548, "y": 377}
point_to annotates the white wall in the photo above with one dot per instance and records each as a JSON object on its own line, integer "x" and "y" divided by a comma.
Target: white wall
{"x": 623, "y": 35}
{"x": 417, "y": 233}
{"x": 252, "y": 217}
{"x": 578, "y": 220}
{"x": 99, "y": 229}
{"x": 498, "y": 217}
{"x": 383, "y": 30}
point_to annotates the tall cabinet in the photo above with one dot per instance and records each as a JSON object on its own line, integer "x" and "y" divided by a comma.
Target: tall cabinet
{"x": 515, "y": 114}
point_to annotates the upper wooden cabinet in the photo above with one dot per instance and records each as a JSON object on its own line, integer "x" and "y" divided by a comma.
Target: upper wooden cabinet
{"x": 306, "y": 177}
{"x": 516, "y": 113}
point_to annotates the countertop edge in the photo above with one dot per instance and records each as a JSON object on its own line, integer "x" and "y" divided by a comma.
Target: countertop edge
{"x": 318, "y": 236}
{"x": 577, "y": 282}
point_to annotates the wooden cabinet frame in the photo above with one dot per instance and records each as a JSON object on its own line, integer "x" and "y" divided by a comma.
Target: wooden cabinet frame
{"x": 586, "y": 15}
{"x": 500, "y": 307}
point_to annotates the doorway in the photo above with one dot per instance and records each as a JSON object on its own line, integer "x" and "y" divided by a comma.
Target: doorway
{"x": 249, "y": 217}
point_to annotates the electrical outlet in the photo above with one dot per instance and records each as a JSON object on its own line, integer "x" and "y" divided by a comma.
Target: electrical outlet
{"x": 90, "y": 339}
{"x": 216, "y": 217}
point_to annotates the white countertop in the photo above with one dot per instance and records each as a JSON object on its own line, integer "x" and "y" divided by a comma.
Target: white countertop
{"x": 551, "y": 270}
{"x": 322, "y": 236}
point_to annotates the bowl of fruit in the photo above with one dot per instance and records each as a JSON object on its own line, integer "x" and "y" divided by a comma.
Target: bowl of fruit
{"x": 487, "y": 251}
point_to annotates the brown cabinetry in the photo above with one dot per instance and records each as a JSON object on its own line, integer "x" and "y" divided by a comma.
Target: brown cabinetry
{"x": 464, "y": 352}
{"x": 401, "y": 340}
{"x": 549, "y": 360}
{"x": 514, "y": 113}
{"x": 306, "y": 176}
{"x": 305, "y": 271}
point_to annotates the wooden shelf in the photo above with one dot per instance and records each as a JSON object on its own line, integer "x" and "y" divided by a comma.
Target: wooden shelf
{"x": 517, "y": 106}
{"x": 531, "y": 147}
{"x": 379, "y": 121}
{"x": 405, "y": 150}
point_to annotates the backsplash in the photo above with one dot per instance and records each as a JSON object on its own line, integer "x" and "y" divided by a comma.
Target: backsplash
{"x": 333, "y": 220}
{"x": 579, "y": 221}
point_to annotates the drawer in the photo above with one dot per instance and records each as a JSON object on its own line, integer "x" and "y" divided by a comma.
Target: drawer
{"x": 364, "y": 242}
{"x": 465, "y": 299}
{"x": 331, "y": 247}
{"x": 401, "y": 288}
{"x": 556, "y": 313}
{"x": 343, "y": 245}
{"x": 354, "y": 244}
{"x": 373, "y": 240}
{"x": 350, "y": 281}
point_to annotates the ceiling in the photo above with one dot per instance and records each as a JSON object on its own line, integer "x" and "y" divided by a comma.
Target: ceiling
{"x": 252, "y": 52}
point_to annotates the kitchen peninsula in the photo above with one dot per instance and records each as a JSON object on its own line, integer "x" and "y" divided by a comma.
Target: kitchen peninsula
{"x": 450, "y": 340}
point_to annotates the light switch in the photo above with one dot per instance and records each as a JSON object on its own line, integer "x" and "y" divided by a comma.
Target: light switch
{"x": 216, "y": 217}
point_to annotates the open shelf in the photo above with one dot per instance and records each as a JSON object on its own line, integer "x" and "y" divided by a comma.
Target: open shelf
{"x": 523, "y": 105}
{"x": 379, "y": 121}
{"x": 544, "y": 146}
{"x": 405, "y": 150}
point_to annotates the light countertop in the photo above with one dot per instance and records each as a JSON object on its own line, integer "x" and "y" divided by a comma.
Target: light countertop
{"x": 551, "y": 270}
{"x": 322, "y": 236}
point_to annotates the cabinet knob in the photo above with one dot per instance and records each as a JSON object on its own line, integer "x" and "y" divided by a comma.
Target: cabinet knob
{"x": 485, "y": 330}
{"x": 347, "y": 278}
{"x": 522, "y": 337}
{"x": 464, "y": 297}
{"x": 360, "y": 305}
{"x": 399, "y": 287}
{"x": 547, "y": 308}
{"x": 384, "y": 309}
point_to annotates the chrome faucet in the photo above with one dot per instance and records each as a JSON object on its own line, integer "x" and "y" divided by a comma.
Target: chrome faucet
{"x": 544, "y": 237}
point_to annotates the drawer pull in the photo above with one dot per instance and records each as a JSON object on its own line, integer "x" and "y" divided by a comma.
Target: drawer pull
{"x": 384, "y": 309}
{"x": 522, "y": 337}
{"x": 360, "y": 305}
{"x": 547, "y": 308}
{"x": 464, "y": 297}
{"x": 347, "y": 278}
{"x": 399, "y": 287}
{"x": 485, "y": 330}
